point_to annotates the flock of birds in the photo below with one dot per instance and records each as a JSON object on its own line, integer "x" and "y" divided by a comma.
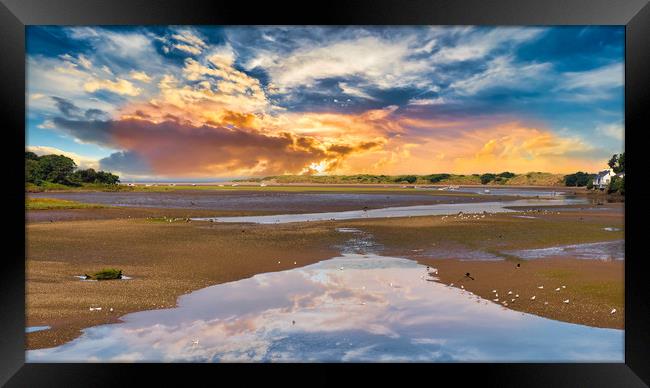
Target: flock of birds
{"x": 512, "y": 296}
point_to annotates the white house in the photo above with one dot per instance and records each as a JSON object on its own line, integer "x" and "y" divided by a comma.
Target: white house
{"x": 602, "y": 178}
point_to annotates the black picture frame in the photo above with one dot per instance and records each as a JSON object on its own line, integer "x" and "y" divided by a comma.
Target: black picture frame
{"x": 16, "y": 14}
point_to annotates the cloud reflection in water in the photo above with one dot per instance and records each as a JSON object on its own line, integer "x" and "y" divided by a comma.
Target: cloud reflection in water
{"x": 374, "y": 309}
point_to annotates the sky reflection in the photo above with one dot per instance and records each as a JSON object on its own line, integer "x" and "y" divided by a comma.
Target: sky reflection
{"x": 399, "y": 211}
{"x": 350, "y": 308}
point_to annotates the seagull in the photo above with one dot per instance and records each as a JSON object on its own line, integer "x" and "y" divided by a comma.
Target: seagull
{"x": 532, "y": 298}
{"x": 566, "y": 301}
{"x": 293, "y": 322}
{"x": 496, "y": 300}
{"x": 613, "y": 311}
{"x": 294, "y": 263}
{"x": 195, "y": 342}
{"x": 509, "y": 292}
{"x": 517, "y": 296}
{"x": 545, "y": 303}
{"x": 467, "y": 275}
{"x": 278, "y": 262}
{"x": 518, "y": 265}
{"x": 494, "y": 290}
{"x": 541, "y": 287}
{"x": 563, "y": 286}
{"x": 557, "y": 289}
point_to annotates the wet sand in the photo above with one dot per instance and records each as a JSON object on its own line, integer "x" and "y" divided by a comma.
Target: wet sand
{"x": 168, "y": 259}
{"x": 274, "y": 201}
{"x": 164, "y": 260}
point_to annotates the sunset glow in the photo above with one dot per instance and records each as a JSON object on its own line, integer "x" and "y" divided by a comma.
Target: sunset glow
{"x": 224, "y": 102}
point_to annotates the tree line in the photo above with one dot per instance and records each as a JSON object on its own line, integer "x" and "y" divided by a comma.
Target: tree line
{"x": 62, "y": 170}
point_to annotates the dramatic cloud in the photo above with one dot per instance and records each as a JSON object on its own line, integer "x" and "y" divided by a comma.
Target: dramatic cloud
{"x": 172, "y": 148}
{"x": 206, "y": 101}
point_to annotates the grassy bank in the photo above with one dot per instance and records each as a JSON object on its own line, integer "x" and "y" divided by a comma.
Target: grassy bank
{"x": 528, "y": 179}
{"x": 49, "y": 186}
{"x": 53, "y": 203}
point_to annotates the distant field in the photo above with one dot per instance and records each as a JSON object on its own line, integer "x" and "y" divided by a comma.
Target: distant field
{"x": 303, "y": 183}
{"x": 52, "y": 203}
{"x": 528, "y": 179}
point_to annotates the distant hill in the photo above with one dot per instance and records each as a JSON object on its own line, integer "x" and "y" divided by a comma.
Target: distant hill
{"x": 504, "y": 178}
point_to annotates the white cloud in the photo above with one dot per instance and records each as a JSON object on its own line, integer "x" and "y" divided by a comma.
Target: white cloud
{"x": 427, "y": 101}
{"x": 120, "y": 86}
{"x": 354, "y": 92}
{"x": 613, "y": 130}
{"x": 477, "y": 44}
{"x": 502, "y": 72}
{"x": 608, "y": 76}
{"x": 140, "y": 76}
{"x": 381, "y": 63}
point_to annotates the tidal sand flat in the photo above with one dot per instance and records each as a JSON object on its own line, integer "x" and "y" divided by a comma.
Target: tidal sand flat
{"x": 392, "y": 212}
{"x": 349, "y": 308}
{"x": 189, "y": 256}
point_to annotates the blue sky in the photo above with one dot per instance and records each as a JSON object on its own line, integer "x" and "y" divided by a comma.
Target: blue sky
{"x": 203, "y": 102}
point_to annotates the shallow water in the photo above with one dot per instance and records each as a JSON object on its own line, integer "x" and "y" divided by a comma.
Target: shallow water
{"x": 357, "y": 307}
{"x": 247, "y": 200}
{"x": 31, "y": 329}
{"x": 402, "y": 211}
{"x": 509, "y": 191}
{"x": 606, "y": 251}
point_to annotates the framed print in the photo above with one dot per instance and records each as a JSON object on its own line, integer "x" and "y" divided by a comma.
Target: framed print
{"x": 427, "y": 188}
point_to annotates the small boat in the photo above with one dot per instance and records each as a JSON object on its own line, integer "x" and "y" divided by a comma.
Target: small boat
{"x": 486, "y": 191}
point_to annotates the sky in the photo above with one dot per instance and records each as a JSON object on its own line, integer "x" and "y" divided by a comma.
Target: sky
{"x": 209, "y": 102}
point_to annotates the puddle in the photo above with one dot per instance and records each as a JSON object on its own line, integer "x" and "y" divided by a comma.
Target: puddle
{"x": 402, "y": 211}
{"x": 360, "y": 243}
{"x": 452, "y": 251}
{"x": 612, "y": 229}
{"x": 491, "y": 190}
{"x": 83, "y": 278}
{"x": 606, "y": 251}
{"x": 349, "y": 308}
{"x": 31, "y": 329}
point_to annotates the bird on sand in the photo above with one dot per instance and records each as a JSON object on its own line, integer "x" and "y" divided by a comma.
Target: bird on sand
{"x": 468, "y": 276}
{"x": 533, "y": 297}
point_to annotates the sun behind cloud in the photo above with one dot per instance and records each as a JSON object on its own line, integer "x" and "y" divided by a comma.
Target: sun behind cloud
{"x": 203, "y": 102}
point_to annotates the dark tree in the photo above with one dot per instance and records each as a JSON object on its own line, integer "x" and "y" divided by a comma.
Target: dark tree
{"x": 435, "y": 178}
{"x": 506, "y": 174}
{"x": 487, "y": 178}
{"x": 612, "y": 162}
{"x": 407, "y": 178}
{"x": 33, "y": 172}
{"x": 578, "y": 179}
{"x": 620, "y": 166}
{"x": 30, "y": 156}
{"x": 84, "y": 176}
{"x": 107, "y": 178}
{"x": 56, "y": 168}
